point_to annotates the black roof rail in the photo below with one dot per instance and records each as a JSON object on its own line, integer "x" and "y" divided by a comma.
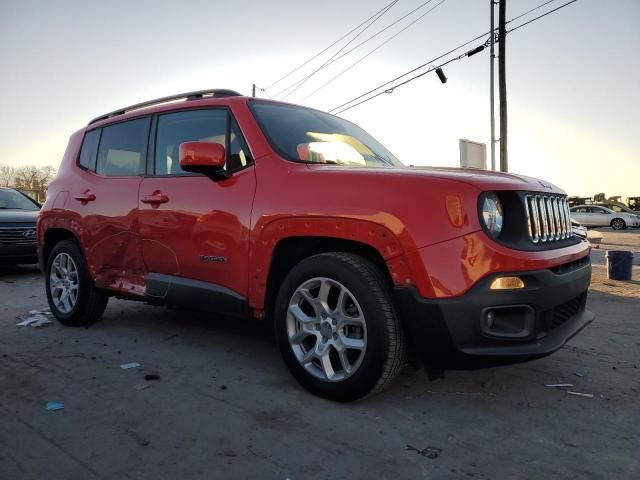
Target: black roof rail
{"x": 197, "y": 95}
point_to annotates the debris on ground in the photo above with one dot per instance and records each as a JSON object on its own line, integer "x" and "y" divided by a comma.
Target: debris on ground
{"x": 579, "y": 374}
{"x": 35, "y": 319}
{"x": 143, "y": 442}
{"x": 470, "y": 394}
{"x": 142, "y": 386}
{"x": 251, "y": 450}
{"x": 559, "y": 385}
{"x": 53, "y": 406}
{"x": 152, "y": 377}
{"x": 588, "y": 395}
{"x": 429, "y": 452}
{"x": 228, "y": 453}
{"x": 126, "y": 366}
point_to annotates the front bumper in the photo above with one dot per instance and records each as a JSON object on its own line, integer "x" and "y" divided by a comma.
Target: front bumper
{"x": 456, "y": 332}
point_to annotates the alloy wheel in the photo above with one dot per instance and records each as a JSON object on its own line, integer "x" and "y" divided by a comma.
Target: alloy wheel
{"x": 326, "y": 329}
{"x": 617, "y": 224}
{"x": 63, "y": 282}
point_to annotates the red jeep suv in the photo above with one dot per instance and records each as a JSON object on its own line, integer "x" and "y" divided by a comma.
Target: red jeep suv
{"x": 254, "y": 208}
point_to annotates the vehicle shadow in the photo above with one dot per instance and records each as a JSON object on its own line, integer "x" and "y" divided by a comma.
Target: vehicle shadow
{"x": 201, "y": 338}
{"x": 18, "y": 271}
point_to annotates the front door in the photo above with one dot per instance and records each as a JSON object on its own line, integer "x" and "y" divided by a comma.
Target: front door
{"x": 195, "y": 231}
{"x": 582, "y": 215}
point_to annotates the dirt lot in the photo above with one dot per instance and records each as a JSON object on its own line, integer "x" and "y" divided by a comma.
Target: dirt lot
{"x": 225, "y": 406}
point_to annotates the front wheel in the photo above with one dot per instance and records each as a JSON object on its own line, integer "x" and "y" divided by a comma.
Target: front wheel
{"x": 618, "y": 224}
{"x": 337, "y": 328}
{"x": 73, "y": 298}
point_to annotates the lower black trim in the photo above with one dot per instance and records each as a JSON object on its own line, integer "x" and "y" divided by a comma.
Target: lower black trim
{"x": 210, "y": 297}
{"x": 452, "y": 333}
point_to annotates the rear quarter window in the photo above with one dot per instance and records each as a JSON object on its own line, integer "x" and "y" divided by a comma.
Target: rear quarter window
{"x": 89, "y": 150}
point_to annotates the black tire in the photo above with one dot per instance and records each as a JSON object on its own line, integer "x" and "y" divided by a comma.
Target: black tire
{"x": 618, "y": 224}
{"x": 385, "y": 348}
{"x": 91, "y": 301}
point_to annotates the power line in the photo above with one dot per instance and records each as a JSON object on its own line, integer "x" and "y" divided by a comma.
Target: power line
{"x": 327, "y": 48}
{"x": 530, "y": 10}
{"x": 339, "y": 108}
{"x": 540, "y": 16}
{"x": 304, "y": 80}
{"x": 410, "y": 71}
{"x": 374, "y": 50}
{"x": 362, "y": 43}
{"x": 390, "y": 90}
{"x": 264, "y": 90}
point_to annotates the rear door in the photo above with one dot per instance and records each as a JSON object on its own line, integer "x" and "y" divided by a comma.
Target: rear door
{"x": 105, "y": 197}
{"x": 194, "y": 229}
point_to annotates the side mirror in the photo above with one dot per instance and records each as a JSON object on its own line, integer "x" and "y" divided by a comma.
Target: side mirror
{"x": 204, "y": 157}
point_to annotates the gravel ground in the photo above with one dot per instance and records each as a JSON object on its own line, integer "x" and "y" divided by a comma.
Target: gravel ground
{"x": 225, "y": 406}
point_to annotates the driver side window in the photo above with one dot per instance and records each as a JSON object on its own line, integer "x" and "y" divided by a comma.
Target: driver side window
{"x": 176, "y": 128}
{"x": 210, "y": 125}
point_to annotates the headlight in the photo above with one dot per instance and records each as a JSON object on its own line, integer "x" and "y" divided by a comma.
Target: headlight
{"x": 491, "y": 213}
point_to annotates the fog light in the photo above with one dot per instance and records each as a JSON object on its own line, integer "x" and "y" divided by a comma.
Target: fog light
{"x": 506, "y": 283}
{"x": 508, "y": 321}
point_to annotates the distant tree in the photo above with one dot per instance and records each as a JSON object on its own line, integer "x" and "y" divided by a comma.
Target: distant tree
{"x": 34, "y": 180}
{"x": 7, "y": 173}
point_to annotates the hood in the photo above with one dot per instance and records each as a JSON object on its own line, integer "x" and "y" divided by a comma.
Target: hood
{"x": 488, "y": 180}
{"x": 18, "y": 216}
{"x": 484, "y": 180}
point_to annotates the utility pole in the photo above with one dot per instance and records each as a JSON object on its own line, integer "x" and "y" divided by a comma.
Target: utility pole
{"x": 502, "y": 85}
{"x": 253, "y": 90}
{"x": 492, "y": 57}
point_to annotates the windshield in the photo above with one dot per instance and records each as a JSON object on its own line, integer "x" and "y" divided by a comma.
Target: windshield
{"x": 12, "y": 200}
{"x": 305, "y": 135}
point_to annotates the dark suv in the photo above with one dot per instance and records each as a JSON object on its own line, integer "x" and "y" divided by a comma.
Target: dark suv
{"x": 18, "y": 214}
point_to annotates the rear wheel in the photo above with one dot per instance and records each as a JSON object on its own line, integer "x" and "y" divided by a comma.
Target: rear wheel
{"x": 336, "y": 327}
{"x": 73, "y": 298}
{"x": 618, "y": 224}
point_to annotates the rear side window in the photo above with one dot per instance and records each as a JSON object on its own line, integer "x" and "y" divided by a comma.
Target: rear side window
{"x": 123, "y": 148}
{"x": 89, "y": 151}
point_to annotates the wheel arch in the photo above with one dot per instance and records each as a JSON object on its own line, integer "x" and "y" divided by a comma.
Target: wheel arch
{"x": 289, "y": 251}
{"x": 281, "y": 244}
{"x": 51, "y": 238}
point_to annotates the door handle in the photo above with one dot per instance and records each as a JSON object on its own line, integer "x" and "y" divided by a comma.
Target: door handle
{"x": 156, "y": 198}
{"x": 85, "y": 197}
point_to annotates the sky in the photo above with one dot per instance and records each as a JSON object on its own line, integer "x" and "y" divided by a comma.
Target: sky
{"x": 573, "y": 79}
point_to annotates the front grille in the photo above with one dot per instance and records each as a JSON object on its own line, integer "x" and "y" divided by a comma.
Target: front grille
{"x": 548, "y": 218}
{"x": 18, "y": 236}
{"x": 565, "y": 311}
